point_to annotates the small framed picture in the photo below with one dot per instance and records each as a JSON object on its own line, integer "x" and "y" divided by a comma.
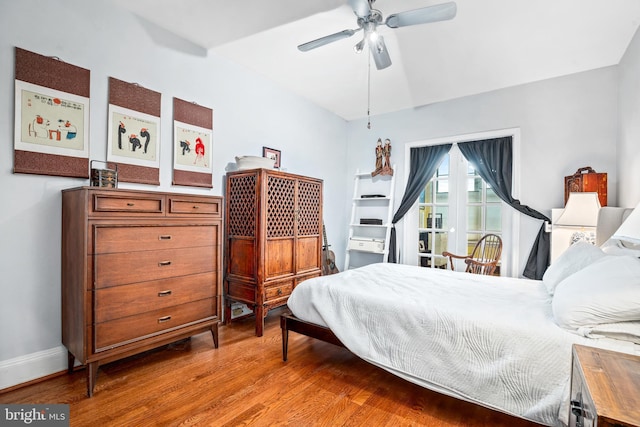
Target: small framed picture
{"x": 274, "y": 154}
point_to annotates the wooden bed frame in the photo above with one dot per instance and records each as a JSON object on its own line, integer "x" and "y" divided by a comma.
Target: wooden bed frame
{"x": 289, "y": 322}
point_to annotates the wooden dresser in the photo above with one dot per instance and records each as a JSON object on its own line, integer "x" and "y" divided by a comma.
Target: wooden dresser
{"x": 273, "y": 238}
{"x": 139, "y": 270}
{"x": 605, "y": 388}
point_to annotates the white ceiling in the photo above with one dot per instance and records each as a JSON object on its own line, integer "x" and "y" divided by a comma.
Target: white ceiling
{"x": 490, "y": 44}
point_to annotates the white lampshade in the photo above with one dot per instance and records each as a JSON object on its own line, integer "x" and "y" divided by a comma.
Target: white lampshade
{"x": 629, "y": 231}
{"x": 581, "y": 210}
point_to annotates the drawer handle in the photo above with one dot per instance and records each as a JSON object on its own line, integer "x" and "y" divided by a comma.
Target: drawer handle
{"x": 164, "y": 263}
{"x": 164, "y": 293}
{"x": 279, "y": 292}
{"x": 130, "y": 204}
{"x": 196, "y": 207}
{"x": 164, "y": 319}
{"x": 165, "y": 237}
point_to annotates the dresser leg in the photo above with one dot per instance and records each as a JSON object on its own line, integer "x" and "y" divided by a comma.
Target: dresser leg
{"x": 214, "y": 333}
{"x": 92, "y": 375}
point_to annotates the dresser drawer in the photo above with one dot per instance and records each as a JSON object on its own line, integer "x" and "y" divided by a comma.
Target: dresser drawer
{"x": 108, "y": 239}
{"x": 278, "y": 291}
{"x": 194, "y": 206}
{"x": 128, "y": 203}
{"x": 133, "y": 328}
{"x": 127, "y": 300}
{"x": 131, "y": 267}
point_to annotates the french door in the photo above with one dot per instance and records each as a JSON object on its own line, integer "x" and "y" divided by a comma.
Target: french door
{"x": 454, "y": 210}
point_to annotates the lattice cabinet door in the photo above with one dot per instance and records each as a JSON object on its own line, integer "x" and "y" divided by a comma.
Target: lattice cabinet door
{"x": 309, "y": 225}
{"x": 280, "y": 226}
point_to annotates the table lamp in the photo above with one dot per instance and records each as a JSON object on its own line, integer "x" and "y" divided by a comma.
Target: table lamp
{"x": 581, "y": 212}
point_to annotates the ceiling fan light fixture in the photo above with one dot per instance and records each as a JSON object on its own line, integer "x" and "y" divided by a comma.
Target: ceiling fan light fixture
{"x": 373, "y": 37}
{"x": 359, "y": 47}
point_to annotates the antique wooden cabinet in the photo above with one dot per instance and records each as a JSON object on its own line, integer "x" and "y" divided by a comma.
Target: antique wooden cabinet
{"x": 273, "y": 238}
{"x": 139, "y": 270}
{"x": 605, "y": 388}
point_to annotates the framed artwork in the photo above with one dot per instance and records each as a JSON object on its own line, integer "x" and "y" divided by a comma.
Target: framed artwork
{"x": 272, "y": 153}
{"x": 192, "y": 147}
{"x": 133, "y": 137}
{"x": 50, "y": 121}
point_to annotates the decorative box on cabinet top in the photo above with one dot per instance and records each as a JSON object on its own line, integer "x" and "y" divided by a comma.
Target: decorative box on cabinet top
{"x": 591, "y": 181}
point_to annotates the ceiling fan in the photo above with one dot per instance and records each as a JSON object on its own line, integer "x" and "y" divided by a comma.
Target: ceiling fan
{"x": 369, "y": 19}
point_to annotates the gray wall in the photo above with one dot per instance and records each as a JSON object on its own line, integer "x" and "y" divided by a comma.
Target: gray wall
{"x": 565, "y": 123}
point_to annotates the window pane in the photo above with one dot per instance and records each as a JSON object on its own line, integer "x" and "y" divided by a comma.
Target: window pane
{"x": 474, "y": 218}
{"x": 472, "y": 240}
{"x": 425, "y": 212}
{"x": 494, "y": 217}
{"x": 474, "y": 190}
{"x": 443, "y": 169}
{"x": 427, "y": 196}
{"x": 491, "y": 195}
{"x": 439, "y": 246}
{"x": 442, "y": 191}
{"x": 441, "y": 217}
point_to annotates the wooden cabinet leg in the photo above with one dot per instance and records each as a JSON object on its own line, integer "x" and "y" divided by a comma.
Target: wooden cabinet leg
{"x": 227, "y": 312}
{"x": 214, "y": 334}
{"x": 92, "y": 376}
{"x": 260, "y": 312}
{"x": 71, "y": 361}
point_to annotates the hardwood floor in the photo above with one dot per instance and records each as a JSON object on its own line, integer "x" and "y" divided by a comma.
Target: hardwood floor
{"x": 245, "y": 382}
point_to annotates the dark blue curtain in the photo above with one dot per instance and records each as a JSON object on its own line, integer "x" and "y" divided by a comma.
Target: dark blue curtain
{"x": 493, "y": 160}
{"x": 424, "y": 162}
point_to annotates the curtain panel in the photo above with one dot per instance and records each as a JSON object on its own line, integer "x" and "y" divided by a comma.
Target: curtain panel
{"x": 424, "y": 162}
{"x": 493, "y": 159}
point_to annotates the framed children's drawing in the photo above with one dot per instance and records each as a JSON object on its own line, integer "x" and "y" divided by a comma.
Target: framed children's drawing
{"x": 50, "y": 121}
{"x": 191, "y": 148}
{"x": 133, "y": 137}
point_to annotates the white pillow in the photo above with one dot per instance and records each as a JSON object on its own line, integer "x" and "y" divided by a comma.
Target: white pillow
{"x": 618, "y": 247}
{"x": 575, "y": 258}
{"x": 607, "y": 291}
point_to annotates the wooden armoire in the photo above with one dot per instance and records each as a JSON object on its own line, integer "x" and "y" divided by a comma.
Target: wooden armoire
{"x": 273, "y": 238}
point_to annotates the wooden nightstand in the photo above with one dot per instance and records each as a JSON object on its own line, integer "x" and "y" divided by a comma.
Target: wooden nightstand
{"x": 605, "y": 388}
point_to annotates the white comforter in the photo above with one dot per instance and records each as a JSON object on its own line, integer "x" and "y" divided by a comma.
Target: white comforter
{"x": 489, "y": 340}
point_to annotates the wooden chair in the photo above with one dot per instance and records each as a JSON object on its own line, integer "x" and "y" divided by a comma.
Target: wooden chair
{"x": 484, "y": 258}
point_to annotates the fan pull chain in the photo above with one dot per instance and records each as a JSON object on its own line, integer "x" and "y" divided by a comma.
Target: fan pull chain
{"x": 369, "y": 92}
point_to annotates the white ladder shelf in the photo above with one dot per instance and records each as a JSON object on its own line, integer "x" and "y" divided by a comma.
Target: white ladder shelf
{"x": 364, "y": 240}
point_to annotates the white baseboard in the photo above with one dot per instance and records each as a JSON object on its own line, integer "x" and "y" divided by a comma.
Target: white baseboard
{"x": 32, "y": 366}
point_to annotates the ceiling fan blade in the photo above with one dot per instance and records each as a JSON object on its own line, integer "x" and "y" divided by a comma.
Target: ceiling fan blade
{"x": 438, "y": 12}
{"x": 326, "y": 40}
{"x": 360, "y": 7}
{"x": 380, "y": 53}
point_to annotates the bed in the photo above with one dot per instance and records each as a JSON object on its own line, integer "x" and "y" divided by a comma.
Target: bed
{"x": 504, "y": 343}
